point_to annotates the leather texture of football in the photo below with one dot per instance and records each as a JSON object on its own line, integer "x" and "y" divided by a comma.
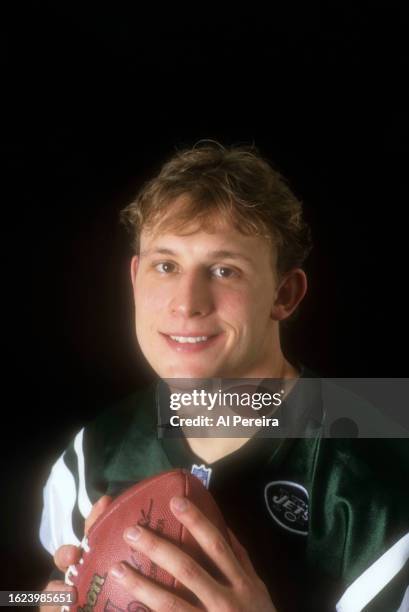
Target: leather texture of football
{"x": 145, "y": 504}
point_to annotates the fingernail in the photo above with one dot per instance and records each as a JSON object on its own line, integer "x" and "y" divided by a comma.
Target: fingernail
{"x": 133, "y": 533}
{"x": 118, "y": 571}
{"x": 180, "y": 504}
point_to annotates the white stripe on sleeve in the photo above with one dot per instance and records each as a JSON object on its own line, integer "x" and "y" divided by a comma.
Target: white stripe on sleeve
{"x": 84, "y": 503}
{"x": 59, "y": 496}
{"x": 404, "y": 607}
{"x": 375, "y": 578}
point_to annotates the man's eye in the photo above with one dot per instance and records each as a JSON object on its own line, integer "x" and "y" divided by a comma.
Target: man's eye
{"x": 165, "y": 267}
{"x": 223, "y": 272}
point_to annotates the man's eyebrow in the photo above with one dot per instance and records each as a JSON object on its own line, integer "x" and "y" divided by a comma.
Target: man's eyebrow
{"x": 159, "y": 251}
{"x": 219, "y": 254}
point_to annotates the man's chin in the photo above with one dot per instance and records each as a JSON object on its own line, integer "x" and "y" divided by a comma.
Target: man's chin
{"x": 189, "y": 372}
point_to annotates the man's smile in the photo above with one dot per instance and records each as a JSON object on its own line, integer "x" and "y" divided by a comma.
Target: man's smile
{"x": 190, "y": 342}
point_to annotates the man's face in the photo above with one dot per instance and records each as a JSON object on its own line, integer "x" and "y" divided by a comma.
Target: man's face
{"x": 203, "y": 304}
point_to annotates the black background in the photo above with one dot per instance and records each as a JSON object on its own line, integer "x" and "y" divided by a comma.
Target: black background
{"x": 94, "y": 99}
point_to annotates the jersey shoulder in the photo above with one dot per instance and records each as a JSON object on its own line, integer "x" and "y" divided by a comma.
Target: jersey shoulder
{"x": 104, "y": 457}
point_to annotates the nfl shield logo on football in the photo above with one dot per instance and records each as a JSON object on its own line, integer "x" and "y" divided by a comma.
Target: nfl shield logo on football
{"x": 202, "y": 473}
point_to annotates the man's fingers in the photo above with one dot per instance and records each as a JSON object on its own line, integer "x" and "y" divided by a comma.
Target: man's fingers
{"x": 97, "y": 509}
{"x": 66, "y": 555}
{"x": 208, "y": 537}
{"x": 147, "y": 592}
{"x": 241, "y": 554}
{"x": 169, "y": 557}
{"x": 70, "y": 555}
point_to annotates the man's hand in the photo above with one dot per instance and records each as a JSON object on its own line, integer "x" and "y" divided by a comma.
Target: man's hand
{"x": 243, "y": 591}
{"x": 69, "y": 555}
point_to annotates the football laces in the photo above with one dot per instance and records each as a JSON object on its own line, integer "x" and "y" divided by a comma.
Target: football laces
{"x": 72, "y": 570}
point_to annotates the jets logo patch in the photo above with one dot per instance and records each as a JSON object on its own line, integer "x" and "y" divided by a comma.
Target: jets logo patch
{"x": 287, "y": 502}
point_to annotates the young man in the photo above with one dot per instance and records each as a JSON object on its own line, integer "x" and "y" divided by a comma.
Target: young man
{"x": 219, "y": 243}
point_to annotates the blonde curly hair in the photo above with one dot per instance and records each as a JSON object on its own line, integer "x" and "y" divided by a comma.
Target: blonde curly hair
{"x": 234, "y": 184}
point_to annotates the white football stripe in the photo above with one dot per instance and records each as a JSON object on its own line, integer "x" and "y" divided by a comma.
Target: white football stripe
{"x": 59, "y": 496}
{"x": 375, "y": 578}
{"x": 84, "y": 503}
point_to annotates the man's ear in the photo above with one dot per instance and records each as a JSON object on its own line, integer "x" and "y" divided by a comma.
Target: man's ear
{"x": 134, "y": 269}
{"x": 290, "y": 292}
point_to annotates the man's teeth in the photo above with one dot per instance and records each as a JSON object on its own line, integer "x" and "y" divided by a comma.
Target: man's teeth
{"x": 191, "y": 339}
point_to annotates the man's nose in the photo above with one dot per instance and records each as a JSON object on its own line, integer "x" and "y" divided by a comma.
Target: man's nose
{"x": 193, "y": 296}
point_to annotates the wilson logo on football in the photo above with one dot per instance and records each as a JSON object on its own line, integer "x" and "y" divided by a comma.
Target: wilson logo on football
{"x": 287, "y": 502}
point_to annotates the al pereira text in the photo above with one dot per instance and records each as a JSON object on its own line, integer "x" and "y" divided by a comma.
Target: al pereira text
{"x": 223, "y": 421}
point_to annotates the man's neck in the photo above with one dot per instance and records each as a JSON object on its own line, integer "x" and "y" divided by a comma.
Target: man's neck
{"x": 211, "y": 449}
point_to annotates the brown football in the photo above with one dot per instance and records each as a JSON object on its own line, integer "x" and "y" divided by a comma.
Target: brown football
{"x": 145, "y": 504}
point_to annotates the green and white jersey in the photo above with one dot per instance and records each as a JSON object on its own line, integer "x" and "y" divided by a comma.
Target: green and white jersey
{"x": 325, "y": 521}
